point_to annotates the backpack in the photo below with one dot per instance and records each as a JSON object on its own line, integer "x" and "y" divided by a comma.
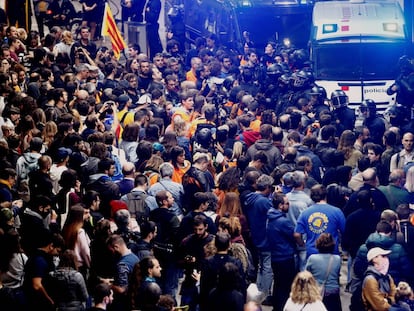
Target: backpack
{"x": 137, "y": 206}
{"x": 203, "y": 136}
{"x": 244, "y": 255}
{"x": 356, "y": 289}
{"x": 151, "y": 177}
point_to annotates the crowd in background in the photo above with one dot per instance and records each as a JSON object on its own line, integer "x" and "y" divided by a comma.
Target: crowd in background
{"x": 193, "y": 178}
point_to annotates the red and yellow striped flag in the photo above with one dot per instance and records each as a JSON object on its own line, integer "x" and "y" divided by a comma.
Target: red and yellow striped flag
{"x": 110, "y": 29}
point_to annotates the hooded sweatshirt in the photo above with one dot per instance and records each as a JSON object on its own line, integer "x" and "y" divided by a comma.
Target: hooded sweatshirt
{"x": 256, "y": 208}
{"x": 272, "y": 153}
{"x": 26, "y": 164}
{"x": 279, "y": 234}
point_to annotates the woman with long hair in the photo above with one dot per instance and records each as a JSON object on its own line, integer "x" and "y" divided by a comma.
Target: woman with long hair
{"x": 48, "y": 133}
{"x": 39, "y": 118}
{"x": 132, "y": 66}
{"x": 168, "y": 140}
{"x": 27, "y": 131}
{"x": 228, "y": 181}
{"x": 180, "y": 164}
{"x": 12, "y": 263}
{"x": 231, "y": 207}
{"x": 346, "y": 145}
{"x": 69, "y": 194}
{"x": 129, "y": 141}
{"x": 305, "y": 294}
{"x": 238, "y": 249}
{"x": 76, "y": 238}
{"x": 65, "y": 44}
{"x": 152, "y": 169}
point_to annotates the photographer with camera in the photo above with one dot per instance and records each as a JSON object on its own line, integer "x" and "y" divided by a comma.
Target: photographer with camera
{"x": 84, "y": 48}
{"x": 165, "y": 241}
{"x": 404, "y": 86}
{"x": 191, "y": 256}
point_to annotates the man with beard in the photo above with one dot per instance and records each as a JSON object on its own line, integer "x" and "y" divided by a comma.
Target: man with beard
{"x": 165, "y": 241}
{"x": 144, "y": 76}
{"x": 362, "y": 135}
{"x": 34, "y": 220}
{"x": 37, "y": 269}
{"x": 191, "y": 255}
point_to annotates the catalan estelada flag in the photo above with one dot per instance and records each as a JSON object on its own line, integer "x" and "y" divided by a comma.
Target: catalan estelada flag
{"x": 110, "y": 29}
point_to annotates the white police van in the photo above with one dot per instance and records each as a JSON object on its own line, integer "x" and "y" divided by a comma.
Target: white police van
{"x": 355, "y": 47}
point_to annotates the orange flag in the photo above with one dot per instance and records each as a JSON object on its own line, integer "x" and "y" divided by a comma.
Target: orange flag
{"x": 110, "y": 29}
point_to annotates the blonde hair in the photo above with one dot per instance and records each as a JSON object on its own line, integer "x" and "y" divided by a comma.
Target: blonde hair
{"x": 67, "y": 37}
{"x": 22, "y": 33}
{"x": 305, "y": 289}
{"x": 404, "y": 290}
{"x": 237, "y": 150}
{"x": 180, "y": 127}
{"x": 49, "y": 132}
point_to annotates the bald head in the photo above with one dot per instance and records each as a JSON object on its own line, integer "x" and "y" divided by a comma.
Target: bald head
{"x": 370, "y": 176}
{"x": 82, "y": 94}
{"x": 128, "y": 169}
{"x": 407, "y": 141}
{"x": 397, "y": 176}
{"x": 252, "y": 306}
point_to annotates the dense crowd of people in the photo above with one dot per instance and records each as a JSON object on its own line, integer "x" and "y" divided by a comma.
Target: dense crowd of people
{"x": 207, "y": 179}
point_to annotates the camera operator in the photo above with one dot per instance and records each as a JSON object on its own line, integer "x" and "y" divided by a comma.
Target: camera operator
{"x": 404, "y": 86}
{"x": 191, "y": 256}
{"x": 84, "y": 48}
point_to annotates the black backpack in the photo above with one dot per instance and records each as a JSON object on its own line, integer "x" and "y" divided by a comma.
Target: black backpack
{"x": 137, "y": 206}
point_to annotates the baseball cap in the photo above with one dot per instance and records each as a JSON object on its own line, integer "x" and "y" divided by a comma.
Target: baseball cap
{"x": 144, "y": 99}
{"x": 14, "y": 110}
{"x": 158, "y": 147}
{"x": 376, "y": 251}
{"x": 63, "y": 153}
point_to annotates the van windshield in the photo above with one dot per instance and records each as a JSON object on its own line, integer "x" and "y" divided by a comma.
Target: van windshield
{"x": 268, "y": 23}
{"x": 356, "y": 61}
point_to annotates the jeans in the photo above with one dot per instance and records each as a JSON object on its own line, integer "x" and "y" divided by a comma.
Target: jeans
{"x": 169, "y": 278}
{"x": 190, "y": 297}
{"x": 301, "y": 260}
{"x": 264, "y": 273}
{"x": 332, "y": 302}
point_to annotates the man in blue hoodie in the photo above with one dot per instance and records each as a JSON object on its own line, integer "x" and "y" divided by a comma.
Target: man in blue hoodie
{"x": 257, "y": 205}
{"x": 282, "y": 245}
